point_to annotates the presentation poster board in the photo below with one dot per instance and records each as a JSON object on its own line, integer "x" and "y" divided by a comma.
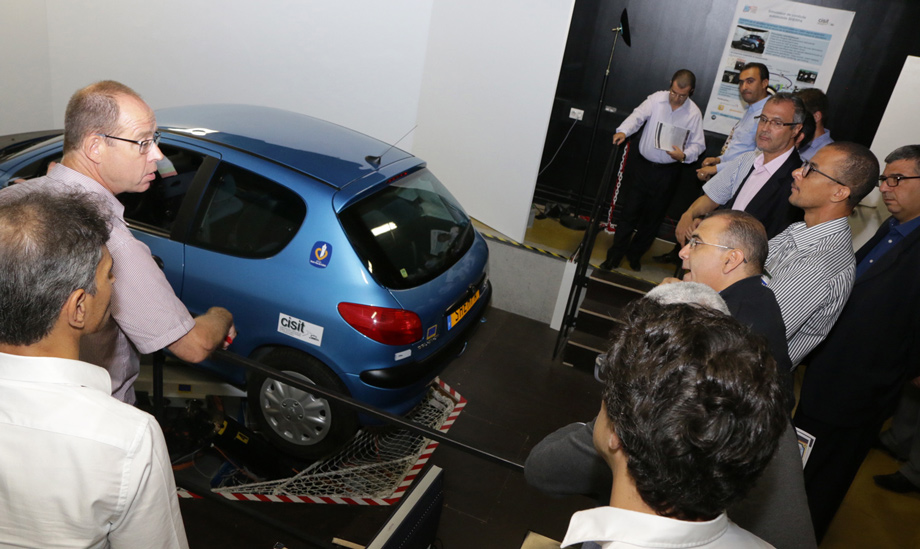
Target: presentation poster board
{"x": 799, "y": 43}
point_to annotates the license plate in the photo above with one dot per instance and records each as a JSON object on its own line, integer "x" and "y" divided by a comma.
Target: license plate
{"x": 461, "y": 311}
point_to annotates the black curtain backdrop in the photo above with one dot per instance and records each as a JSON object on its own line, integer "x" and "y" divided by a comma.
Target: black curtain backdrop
{"x": 668, "y": 35}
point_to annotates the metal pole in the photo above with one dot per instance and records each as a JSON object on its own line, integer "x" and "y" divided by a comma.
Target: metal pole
{"x": 597, "y": 119}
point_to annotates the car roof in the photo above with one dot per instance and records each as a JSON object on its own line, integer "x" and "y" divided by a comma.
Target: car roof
{"x": 326, "y": 151}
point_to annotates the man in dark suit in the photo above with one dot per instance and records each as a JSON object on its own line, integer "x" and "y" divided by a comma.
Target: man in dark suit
{"x": 854, "y": 378}
{"x": 727, "y": 252}
{"x": 758, "y": 182}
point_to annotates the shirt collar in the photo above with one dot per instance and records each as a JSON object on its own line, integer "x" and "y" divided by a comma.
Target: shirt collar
{"x": 611, "y": 524}
{"x": 904, "y": 228}
{"x": 58, "y": 371}
{"x": 758, "y": 105}
{"x": 666, "y": 100}
{"x": 774, "y": 164}
{"x": 74, "y": 178}
{"x": 805, "y": 237}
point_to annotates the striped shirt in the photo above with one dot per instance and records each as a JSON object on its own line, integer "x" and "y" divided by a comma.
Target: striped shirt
{"x": 811, "y": 272}
{"x": 146, "y": 312}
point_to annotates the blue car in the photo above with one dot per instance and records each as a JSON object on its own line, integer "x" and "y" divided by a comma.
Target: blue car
{"x": 343, "y": 259}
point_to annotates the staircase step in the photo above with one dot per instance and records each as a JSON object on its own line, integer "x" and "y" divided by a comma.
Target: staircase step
{"x": 582, "y": 349}
{"x": 597, "y": 318}
{"x": 615, "y": 288}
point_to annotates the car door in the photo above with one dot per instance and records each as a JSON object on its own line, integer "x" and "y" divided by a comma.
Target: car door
{"x": 160, "y": 216}
{"x": 233, "y": 256}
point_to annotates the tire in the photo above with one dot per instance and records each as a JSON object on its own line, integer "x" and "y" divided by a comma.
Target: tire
{"x": 294, "y": 421}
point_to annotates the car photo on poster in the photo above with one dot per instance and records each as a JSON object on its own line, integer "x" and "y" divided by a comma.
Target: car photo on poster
{"x": 749, "y": 39}
{"x": 344, "y": 260}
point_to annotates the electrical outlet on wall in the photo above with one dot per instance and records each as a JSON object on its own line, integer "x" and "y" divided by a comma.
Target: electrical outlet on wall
{"x": 576, "y": 114}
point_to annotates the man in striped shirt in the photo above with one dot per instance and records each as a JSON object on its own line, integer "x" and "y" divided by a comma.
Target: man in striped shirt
{"x": 810, "y": 266}
{"x": 110, "y": 147}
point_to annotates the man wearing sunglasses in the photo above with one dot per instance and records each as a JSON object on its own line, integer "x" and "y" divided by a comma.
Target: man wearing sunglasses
{"x": 758, "y": 181}
{"x": 854, "y": 378}
{"x": 110, "y": 147}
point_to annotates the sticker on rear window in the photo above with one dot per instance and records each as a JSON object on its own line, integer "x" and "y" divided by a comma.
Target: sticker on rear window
{"x": 300, "y": 329}
{"x": 322, "y": 253}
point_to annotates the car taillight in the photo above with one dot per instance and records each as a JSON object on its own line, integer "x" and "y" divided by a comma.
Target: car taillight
{"x": 389, "y": 326}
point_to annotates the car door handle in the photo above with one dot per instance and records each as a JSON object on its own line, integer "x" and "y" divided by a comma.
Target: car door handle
{"x": 158, "y": 261}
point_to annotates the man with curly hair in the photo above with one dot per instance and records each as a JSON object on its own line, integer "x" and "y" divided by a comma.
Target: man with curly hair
{"x": 691, "y": 414}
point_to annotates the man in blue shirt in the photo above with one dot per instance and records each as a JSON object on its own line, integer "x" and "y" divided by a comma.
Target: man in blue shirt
{"x": 752, "y": 85}
{"x": 853, "y": 379}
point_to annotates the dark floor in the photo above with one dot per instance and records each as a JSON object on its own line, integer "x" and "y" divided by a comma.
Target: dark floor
{"x": 516, "y": 395}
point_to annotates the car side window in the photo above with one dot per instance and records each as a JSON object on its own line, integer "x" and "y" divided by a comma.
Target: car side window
{"x": 35, "y": 168}
{"x": 247, "y": 215}
{"x": 159, "y": 205}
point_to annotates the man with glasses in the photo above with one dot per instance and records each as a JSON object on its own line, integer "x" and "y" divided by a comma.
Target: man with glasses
{"x": 853, "y": 379}
{"x": 727, "y": 252}
{"x": 652, "y": 175}
{"x": 753, "y": 83}
{"x": 811, "y": 266}
{"x": 758, "y": 181}
{"x": 566, "y": 462}
{"x": 110, "y": 147}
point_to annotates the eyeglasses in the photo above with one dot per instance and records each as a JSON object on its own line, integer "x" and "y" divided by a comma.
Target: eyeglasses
{"x": 775, "y": 123}
{"x": 143, "y": 146}
{"x": 897, "y": 179}
{"x": 679, "y": 95}
{"x": 808, "y": 167}
{"x": 695, "y": 241}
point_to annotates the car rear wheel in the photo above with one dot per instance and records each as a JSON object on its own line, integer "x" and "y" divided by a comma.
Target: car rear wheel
{"x": 298, "y": 422}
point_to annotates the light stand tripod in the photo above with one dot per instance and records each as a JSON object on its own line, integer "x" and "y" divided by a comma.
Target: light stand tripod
{"x": 574, "y": 221}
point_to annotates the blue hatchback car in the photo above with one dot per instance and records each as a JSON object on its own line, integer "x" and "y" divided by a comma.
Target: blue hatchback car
{"x": 343, "y": 259}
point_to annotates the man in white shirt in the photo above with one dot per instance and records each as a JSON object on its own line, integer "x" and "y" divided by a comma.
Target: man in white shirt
{"x": 690, "y": 417}
{"x": 78, "y": 468}
{"x": 652, "y": 175}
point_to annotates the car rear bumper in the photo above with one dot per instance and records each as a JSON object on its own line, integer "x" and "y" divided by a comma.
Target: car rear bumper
{"x": 404, "y": 375}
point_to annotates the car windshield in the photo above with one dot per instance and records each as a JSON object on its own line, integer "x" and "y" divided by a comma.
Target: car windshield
{"x": 409, "y": 232}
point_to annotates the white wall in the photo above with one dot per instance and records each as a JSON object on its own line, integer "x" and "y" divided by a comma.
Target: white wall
{"x": 488, "y": 88}
{"x": 900, "y": 126}
{"x": 477, "y": 77}
{"x": 25, "y": 74}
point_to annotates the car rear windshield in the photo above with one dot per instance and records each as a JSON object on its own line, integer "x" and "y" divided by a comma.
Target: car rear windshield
{"x": 409, "y": 232}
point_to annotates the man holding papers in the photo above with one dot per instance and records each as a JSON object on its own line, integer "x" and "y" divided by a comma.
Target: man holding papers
{"x": 673, "y": 135}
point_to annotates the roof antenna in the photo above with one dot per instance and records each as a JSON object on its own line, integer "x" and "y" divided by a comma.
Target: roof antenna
{"x": 375, "y": 160}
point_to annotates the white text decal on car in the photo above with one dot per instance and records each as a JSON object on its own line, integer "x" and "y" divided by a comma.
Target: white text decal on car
{"x": 300, "y": 329}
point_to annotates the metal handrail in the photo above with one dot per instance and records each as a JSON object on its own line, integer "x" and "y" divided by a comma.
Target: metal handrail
{"x": 427, "y": 432}
{"x": 582, "y": 254}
